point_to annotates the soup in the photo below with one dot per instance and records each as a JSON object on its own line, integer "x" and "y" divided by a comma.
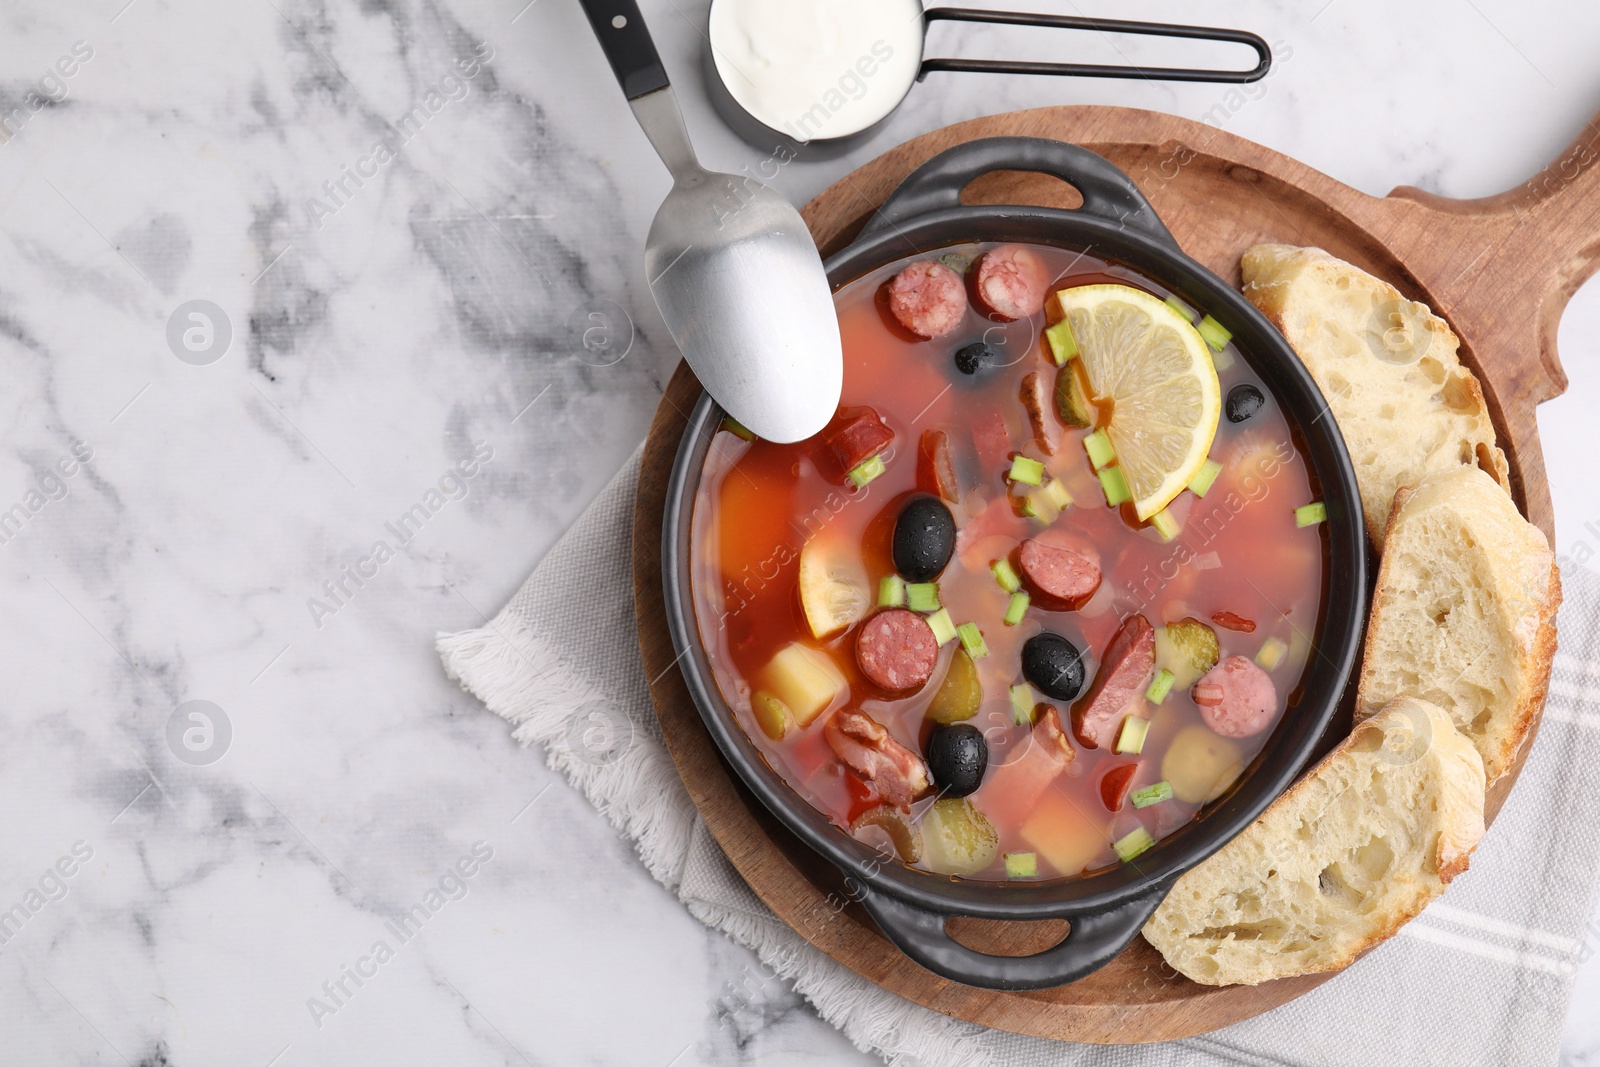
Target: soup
{"x": 943, "y": 621}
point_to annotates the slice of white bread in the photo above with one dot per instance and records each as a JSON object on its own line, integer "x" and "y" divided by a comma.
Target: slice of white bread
{"x": 1341, "y": 861}
{"x": 1387, "y": 367}
{"x": 1464, "y": 612}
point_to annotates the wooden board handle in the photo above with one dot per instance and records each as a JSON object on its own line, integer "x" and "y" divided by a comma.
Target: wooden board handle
{"x": 1542, "y": 237}
{"x": 1504, "y": 267}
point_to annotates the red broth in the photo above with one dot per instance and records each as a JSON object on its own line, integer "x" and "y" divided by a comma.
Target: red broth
{"x": 1240, "y": 551}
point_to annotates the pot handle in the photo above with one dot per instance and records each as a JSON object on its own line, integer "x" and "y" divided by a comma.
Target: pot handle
{"x": 1101, "y": 26}
{"x": 1094, "y": 939}
{"x": 936, "y": 185}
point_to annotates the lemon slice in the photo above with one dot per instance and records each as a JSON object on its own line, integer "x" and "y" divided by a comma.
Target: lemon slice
{"x": 1155, "y": 371}
{"x": 833, "y": 591}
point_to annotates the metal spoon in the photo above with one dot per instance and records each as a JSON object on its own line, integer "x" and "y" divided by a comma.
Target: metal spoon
{"x": 731, "y": 264}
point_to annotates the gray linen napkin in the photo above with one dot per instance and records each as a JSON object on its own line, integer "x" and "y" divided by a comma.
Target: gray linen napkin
{"x": 1481, "y": 977}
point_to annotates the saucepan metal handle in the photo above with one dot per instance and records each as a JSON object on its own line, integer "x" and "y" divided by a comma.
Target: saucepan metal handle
{"x": 1099, "y": 70}
{"x": 936, "y": 185}
{"x": 625, "y": 40}
{"x": 1093, "y": 940}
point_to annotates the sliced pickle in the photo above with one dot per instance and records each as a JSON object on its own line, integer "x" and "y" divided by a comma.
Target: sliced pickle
{"x": 957, "y": 838}
{"x": 1188, "y": 649}
{"x": 773, "y": 714}
{"x": 902, "y": 832}
{"x": 1072, "y": 399}
{"x": 960, "y": 693}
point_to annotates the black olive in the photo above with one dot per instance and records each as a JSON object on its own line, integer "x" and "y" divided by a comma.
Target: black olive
{"x": 957, "y": 758}
{"x": 1244, "y": 401}
{"x": 975, "y": 357}
{"x": 1053, "y": 665}
{"x": 924, "y": 538}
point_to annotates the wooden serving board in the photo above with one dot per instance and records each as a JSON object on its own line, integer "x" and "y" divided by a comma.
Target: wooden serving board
{"x": 1499, "y": 269}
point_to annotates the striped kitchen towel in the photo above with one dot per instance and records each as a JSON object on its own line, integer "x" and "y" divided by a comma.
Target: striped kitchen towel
{"x": 1483, "y": 976}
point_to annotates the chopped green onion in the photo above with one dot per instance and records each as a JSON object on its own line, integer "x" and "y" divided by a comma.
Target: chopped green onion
{"x": 1047, "y": 503}
{"x": 943, "y": 627}
{"x": 956, "y": 262}
{"x": 1022, "y": 865}
{"x": 1025, "y": 470}
{"x": 1151, "y": 794}
{"x": 1184, "y": 310}
{"x": 892, "y": 591}
{"x": 1017, "y": 608}
{"x": 972, "y": 640}
{"x": 1006, "y": 575}
{"x": 1201, "y": 482}
{"x": 1056, "y": 493}
{"x": 922, "y": 596}
{"x": 1022, "y": 704}
{"x": 1214, "y": 333}
{"x": 737, "y": 428}
{"x": 1034, "y": 506}
{"x": 1130, "y": 739}
{"x": 1100, "y": 449}
{"x": 1299, "y": 644}
{"x": 1164, "y": 524}
{"x": 866, "y": 470}
{"x": 1311, "y": 514}
{"x": 1160, "y": 686}
{"x": 1271, "y": 653}
{"x": 1063, "y": 346}
{"x": 1130, "y": 846}
{"x": 1115, "y": 486}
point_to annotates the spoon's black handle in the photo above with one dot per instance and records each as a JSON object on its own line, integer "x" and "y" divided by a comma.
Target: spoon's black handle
{"x": 626, "y": 42}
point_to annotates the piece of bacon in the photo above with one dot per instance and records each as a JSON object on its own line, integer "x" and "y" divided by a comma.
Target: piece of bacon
{"x": 1048, "y": 733}
{"x": 897, "y": 773}
{"x": 855, "y": 435}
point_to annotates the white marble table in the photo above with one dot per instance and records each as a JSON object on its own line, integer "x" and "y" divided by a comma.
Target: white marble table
{"x": 392, "y": 313}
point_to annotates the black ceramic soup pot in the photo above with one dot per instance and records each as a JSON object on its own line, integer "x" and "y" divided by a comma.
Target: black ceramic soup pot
{"x": 1107, "y": 910}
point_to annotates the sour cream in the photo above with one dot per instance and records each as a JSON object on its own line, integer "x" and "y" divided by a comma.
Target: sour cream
{"x": 817, "y": 68}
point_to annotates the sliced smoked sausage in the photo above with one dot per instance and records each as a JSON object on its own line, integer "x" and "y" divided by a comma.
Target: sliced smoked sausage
{"x": 1059, "y": 578}
{"x": 1124, "y": 670}
{"x": 936, "y": 470}
{"x": 896, "y": 650}
{"x": 1036, "y": 400}
{"x": 928, "y": 298}
{"x": 1236, "y": 698}
{"x": 1010, "y": 282}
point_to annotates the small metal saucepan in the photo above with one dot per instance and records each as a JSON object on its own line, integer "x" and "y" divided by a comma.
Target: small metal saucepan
{"x": 1106, "y": 911}
{"x": 783, "y": 76}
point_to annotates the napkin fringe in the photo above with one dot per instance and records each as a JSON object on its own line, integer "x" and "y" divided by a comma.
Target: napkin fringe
{"x": 496, "y": 662}
{"x": 517, "y": 674}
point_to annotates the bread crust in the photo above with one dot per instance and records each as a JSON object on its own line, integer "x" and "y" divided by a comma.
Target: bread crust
{"x": 1219, "y": 955}
{"x": 1309, "y": 295}
{"x": 1503, "y": 555}
{"x": 1504, "y": 737}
